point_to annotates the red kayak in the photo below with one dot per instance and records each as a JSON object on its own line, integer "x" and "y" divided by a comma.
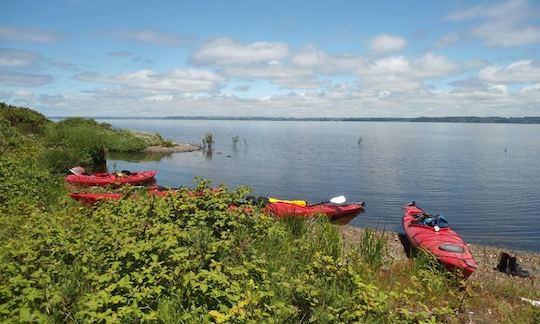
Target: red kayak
{"x": 440, "y": 241}
{"x": 92, "y": 198}
{"x": 280, "y": 209}
{"x": 111, "y": 179}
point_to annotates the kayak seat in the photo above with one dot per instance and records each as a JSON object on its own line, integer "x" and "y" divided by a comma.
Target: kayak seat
{"x": 429, "y": 220}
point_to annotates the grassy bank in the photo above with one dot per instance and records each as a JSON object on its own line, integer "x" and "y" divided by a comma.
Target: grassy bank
{"x": 190, "y": 258}
{"x": 75, "y": 141}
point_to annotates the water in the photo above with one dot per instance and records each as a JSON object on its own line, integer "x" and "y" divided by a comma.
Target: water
{"x": 461, "y": 170}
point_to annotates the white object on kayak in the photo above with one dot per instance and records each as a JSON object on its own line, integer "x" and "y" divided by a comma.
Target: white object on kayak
{"x": 338, "y": 200}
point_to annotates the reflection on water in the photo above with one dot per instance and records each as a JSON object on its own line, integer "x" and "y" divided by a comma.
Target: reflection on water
{"x": 208, "y": 154}
{"x": 345, "y": 219}
{"x": 461, "y": 170}
{"x": 139, "y": 156}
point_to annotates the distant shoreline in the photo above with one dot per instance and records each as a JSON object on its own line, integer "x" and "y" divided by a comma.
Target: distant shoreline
{"x": 470, "y": 119}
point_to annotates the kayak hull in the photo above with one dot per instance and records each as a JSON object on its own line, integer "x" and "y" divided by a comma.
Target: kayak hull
{"x": 110, "y": 179}
{"x": 280, "y": 209}
{"x": 444, "y": 244}
{"x": 92, "y": 198}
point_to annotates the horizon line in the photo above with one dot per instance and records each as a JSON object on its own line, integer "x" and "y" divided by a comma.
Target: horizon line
{"x": 456, "y": 119}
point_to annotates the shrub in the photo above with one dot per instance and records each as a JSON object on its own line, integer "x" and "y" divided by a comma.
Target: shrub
{"x": 208, "y": 141}
{"x": 25, "y": 184}
{"x": 25, "y": 120}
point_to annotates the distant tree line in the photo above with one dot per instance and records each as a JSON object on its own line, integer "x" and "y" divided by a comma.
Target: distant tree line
{"x": 464, "y": 119}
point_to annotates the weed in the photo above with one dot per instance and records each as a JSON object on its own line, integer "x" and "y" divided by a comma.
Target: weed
{"x": 208, "y": 141}
{"x": 373, "y": 247}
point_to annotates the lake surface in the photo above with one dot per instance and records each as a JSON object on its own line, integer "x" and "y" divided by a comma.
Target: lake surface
{"x": 491, "y": 196}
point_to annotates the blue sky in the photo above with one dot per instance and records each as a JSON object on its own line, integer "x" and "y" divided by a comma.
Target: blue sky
{"x": 279, "y": 58}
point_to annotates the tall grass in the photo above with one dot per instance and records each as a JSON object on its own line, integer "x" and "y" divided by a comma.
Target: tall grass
{"x": 83, "y": 141}
{"x": 372, "y": 248}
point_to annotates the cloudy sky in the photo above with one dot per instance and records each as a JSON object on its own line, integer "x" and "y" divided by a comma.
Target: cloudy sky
{"x": 280, "y": 58}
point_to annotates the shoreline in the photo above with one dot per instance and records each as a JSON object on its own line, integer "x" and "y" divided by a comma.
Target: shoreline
{"x": 489, "y": 291}
{"x": 176, "y": 148}
{"x": 486, "y": 257}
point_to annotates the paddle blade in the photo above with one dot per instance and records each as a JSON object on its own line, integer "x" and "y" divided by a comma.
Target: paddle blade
{"x": 338, "y": 200}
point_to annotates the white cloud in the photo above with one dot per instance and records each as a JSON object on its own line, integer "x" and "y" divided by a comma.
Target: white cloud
{"x": 399, "y": 74}
{"x": 431, "y": 65}
{"x": 227, "y": 51}
{"x": 504, "y": 34}
{"x": 17, "y": 58}
{"x": 23, "y": 93}
{"x": 391, "y": 65}
{"x": 20, "y": 79}
{"x": 311, "y": 82}
{"x": 148, "y": 36}
{"x": 387, "y": 43}
{"x": 336, "y": 101}
{"x": 280, "y": 74}
{"x": 242, "y": 88}
{"x": 533, "y": 89}
{"x": 175, "y": 81}
{"x": 493, "y": 10}
{"x": 274, "y": 62}
{"x": 504, "y": 24}
{"x": 313, "y": 58}
{"x": 523, "y": 71}
{"x": 448, "y": 39}
{"x": 33, "y": 35}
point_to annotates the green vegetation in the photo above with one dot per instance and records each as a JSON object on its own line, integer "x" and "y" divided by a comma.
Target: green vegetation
{"x": 23, "y": 119}
{"x": 373, "y": 248}
{"x": 208, "y": 141}
{"x": 191, "y": 258}
{"x": 72, "y": 141}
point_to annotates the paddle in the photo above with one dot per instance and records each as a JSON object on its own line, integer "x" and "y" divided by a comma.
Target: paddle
{"x": 257, "y": 200}
{"x": 336, "y": 200}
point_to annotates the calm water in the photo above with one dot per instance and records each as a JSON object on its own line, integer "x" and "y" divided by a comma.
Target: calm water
{"x": 461, "y": 170}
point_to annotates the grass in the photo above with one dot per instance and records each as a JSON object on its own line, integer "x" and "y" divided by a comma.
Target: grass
{"x": 80, "y": 141}
{"x": 373, "y": 247}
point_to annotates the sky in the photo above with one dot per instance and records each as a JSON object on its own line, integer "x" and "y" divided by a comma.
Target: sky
{"x": 271, "y": 58}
